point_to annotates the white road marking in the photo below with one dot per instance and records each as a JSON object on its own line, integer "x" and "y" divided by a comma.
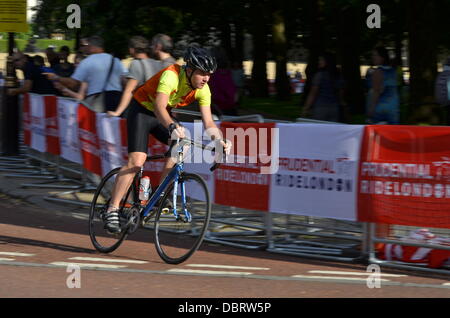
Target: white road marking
{"x": 336, "y": 278}
{"x": 229, "y": 267}
{"x": 6, "y": 259}
{"x": 15, "y": 254}
{"x": 354, "y": 273}
{"x": 446, "y": 284}
{"x": 86, "y": 265}
{"x": 107, "y": 260}
{"x": 197, "y": 271}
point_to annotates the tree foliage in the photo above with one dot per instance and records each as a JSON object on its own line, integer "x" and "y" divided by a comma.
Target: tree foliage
{"x": 279, "y": 30}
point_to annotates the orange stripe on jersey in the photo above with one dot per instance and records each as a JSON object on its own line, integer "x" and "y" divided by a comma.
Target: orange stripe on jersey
{"x": 146, "y": 93}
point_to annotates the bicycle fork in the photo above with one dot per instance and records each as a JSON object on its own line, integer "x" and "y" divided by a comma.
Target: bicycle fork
{"x": 187, "y": 215}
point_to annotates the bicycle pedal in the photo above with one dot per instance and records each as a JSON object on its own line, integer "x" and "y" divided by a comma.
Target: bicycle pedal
{"x": 165, "y": 211}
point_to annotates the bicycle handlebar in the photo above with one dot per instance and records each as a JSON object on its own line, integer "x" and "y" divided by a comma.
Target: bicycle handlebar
{"x": 188, "y": 141}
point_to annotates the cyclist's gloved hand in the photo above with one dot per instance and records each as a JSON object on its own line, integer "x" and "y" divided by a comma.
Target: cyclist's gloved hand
{"x": 176, "y": 131}
{"x": 226, "y": 146}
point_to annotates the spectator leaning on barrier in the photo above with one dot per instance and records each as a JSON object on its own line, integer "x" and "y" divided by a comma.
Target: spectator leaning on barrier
{"x": 52, "y": 57}
{"x": 34, "y": 81}
{"x": 64, "y": 68}
{"x": 161, "y": 49}
{"x": 103, "y": 74}
{"x": 81, "y": 93}
{"x": 141, "y": 69}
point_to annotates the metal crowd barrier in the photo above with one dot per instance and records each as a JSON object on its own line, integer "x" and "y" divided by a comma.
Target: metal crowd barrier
{"x": 238, "y": 227}
{"x": 88, "y": 183}
{"x": 372, "y": 257}
{"x": 303, "y": 236}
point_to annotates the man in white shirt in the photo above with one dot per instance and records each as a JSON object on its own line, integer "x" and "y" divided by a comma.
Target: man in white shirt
{"x": 102, "y": 73}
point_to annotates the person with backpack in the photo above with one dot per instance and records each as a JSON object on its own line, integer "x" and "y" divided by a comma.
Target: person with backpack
{"x": 442, "y": 89}
{"x": 103, "y": 73}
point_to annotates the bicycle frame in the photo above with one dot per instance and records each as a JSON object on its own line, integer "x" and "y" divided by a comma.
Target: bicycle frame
{"x": 174, "y": 174}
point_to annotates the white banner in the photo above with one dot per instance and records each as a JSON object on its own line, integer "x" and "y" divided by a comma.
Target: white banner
{"x": 196, "y": 160}
{"x": 318, "y": 170}
{"x": 37, "y": 123}
{"x": 68, "y": 129}
{"x": 108, "y": 130}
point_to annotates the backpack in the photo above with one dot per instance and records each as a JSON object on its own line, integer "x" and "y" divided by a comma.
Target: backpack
{"x": 442, "y": 88}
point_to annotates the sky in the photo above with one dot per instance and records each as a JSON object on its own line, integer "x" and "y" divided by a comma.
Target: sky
{"x": 30, "y": 4}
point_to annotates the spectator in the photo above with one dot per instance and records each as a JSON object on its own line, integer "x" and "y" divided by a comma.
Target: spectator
{"x": 161, "y": 49}
{"x": 52, "y": 57}
{"x": 326, "y": 93}
{"x": 442, "y": 89}
{"x": 64, "y": 68}
{"x": 81, "y": 93}
{"x": 34, "y": 81}
{"x": 237, "y": 72}
{"x": 83, "y": 49}
{"x": 383, "y": 100}
{"x": 223, "y": 90}
{"x": 141, "y": 69}
{"x": 103, "y": 74}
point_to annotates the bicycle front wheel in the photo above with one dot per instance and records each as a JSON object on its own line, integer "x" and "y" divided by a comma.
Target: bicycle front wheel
{"x": 177, "y": 238}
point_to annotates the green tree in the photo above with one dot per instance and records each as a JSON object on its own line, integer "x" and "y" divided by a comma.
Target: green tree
{"x": 279, "y": 49}
{"x": 259, "y": 31}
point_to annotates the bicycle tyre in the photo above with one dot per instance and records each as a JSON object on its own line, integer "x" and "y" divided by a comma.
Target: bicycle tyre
{"x": 102, "y": 241}
{"x": 177, "y": 247}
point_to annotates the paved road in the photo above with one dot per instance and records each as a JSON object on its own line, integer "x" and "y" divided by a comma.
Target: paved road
{"x": 37, "y": 244}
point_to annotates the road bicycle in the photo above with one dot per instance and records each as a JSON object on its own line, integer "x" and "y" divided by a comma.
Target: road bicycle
{"x": 180, "y": 205}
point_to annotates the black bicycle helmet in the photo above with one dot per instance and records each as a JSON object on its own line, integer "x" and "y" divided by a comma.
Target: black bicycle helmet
{"x": 201, "y": 59}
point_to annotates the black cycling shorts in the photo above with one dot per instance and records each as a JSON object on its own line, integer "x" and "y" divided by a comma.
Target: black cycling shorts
{"x": 140, "y": 123}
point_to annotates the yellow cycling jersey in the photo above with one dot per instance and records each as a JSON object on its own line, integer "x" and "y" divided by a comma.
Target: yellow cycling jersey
{"x": 173, "y": 82}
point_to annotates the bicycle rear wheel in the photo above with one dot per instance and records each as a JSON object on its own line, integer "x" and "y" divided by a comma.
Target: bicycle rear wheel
{"x": 102, "y": 240}
{"x": 177, "y": 239}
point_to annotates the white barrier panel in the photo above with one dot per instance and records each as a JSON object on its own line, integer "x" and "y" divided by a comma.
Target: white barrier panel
{"x": 109, "y": 134}
{"x": 197, "y": 162}
{"x": 68, "y": 129}
{"x": 318, "y": 171}
{"x": 37, "y": 123}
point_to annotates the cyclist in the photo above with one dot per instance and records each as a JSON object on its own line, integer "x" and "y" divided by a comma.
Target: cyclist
{"x": 174, "y": 86}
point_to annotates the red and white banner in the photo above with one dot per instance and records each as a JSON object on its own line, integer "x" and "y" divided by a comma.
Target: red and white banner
{"x": 124, "y": 139}
{"x": 89, "y": 143}
{"x": 318, "y": 168}
{"x": 405, "y": 176}
{"x": 244, "y": 181}
{"x": 109, "y": 134}
{"x": 26, "y": 120}
{"x": 37, "y": 123}
{"x": 382, "y": 174}
{"x": 68, "y": 129}
{"x": 197, "y": 160}
{"x": 51, "y": 125}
